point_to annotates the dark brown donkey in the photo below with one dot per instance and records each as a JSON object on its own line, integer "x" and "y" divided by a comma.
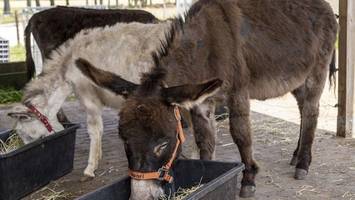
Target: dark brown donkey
{"x": 261, "y": 49}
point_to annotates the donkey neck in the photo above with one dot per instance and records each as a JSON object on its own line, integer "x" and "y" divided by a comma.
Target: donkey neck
{"x": 200, "y": 51}
{"x": 187, "y": 60}
{"x": 205, "y": 46}
{"x": 49, "y": 101}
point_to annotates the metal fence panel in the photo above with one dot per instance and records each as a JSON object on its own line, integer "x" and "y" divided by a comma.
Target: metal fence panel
{"x": 4, "y": 50}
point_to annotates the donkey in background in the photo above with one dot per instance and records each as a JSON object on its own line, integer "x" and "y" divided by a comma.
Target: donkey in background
{"x": 123, "y": 49}
{"x": 51, "y": 28}
{"x": 261, "y": 49}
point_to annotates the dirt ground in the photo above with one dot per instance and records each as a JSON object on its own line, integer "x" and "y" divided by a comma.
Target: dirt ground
{"x": 331, "y": 176}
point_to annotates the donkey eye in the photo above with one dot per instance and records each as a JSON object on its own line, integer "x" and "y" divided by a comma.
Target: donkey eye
{"x": 158, "y": 150}
{"x": 24, "y": 118}
{"x": 163, "y": 146}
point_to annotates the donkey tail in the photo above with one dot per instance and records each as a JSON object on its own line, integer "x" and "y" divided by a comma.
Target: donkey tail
{"x": 29, "y": 60}
{"x": 332, "y": 70}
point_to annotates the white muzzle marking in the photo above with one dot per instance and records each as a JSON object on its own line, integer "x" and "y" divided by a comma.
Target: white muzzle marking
{"x": 145, "y": 190}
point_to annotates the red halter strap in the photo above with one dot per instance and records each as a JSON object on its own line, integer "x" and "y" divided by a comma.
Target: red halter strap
{"x": 163, "y": 173}
{"x": 40, "y": 117}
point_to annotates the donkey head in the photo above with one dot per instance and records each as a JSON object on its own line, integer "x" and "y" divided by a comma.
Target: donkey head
{"x": 28, "y": 125}
{"x": 36, "y": 115}
{"x": 148, "y": 122}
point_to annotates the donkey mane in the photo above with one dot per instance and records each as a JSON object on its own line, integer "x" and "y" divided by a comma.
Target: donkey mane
{"x": 176, "y": 26}
{"x": 151, "y": 80}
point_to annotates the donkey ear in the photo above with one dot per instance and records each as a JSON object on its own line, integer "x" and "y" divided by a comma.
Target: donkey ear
{"x": 106, "y": 79}
{"x": 188, "y": 96}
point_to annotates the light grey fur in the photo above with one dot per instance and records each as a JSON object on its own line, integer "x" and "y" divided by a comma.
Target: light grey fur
{"x": 124, "y": 49}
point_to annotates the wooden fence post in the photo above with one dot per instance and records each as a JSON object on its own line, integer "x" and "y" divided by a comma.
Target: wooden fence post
{"x": 17, "y": 28}
{"x": 345, "y": 121}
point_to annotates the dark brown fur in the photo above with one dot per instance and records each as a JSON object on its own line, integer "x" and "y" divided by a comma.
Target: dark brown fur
{"x": 261, "y": 49}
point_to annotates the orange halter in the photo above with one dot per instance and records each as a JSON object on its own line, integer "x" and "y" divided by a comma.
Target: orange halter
{"x": 163, "y": 172}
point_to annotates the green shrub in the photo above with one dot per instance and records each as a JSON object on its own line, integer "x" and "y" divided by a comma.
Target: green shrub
{"x": 9, "y": 95}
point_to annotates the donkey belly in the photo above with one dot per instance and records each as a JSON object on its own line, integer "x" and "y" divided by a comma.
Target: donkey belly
{"x": 271, "y": 87}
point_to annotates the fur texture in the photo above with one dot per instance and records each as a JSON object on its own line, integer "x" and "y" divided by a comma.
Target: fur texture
{"x": 123, "y": 49}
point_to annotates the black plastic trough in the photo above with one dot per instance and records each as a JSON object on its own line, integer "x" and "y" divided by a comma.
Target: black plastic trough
{"x": 36, "y": 164}
{"x": 219, "y": 181}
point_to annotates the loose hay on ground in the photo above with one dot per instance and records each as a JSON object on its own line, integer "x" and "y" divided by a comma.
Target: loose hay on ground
{"x": 52, "y": 194}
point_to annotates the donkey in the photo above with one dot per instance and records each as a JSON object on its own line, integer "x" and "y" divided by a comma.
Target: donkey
{"x": 261, "y": 49}
{"x": 68, "y": 22}
{"x": 124, "y": 49}
{"x": 51, "y": 28}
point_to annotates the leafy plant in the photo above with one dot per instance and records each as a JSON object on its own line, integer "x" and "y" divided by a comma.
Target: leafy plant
{"x": 9, "y": 95}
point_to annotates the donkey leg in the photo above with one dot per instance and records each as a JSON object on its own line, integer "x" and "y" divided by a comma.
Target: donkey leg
{"x": 299, "y": 95}
{"x": 239, "y": 119}
{"x": 93, "y": 109}
{"x": 313, "y": 89}
{"x": 95, "y": 128}
{"x": 205, "y": 129}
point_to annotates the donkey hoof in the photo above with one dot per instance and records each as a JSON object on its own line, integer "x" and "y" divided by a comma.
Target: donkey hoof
{"x": 300, "y": 174}
{"x": 89, "y": 173}
{"x": 247, "y": 191}
{"x": 293, "y": 161}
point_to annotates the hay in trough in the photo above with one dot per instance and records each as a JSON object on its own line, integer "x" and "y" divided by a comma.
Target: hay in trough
{"x": 11, "y": 143}
{"x": 181, "y": 193}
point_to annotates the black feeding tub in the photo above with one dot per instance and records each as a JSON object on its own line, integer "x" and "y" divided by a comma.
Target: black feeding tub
{"x": 36, "y": 164}
{"x": 219, "y": 181}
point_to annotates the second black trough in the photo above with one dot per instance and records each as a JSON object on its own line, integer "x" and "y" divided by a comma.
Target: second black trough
{"x": 219, "y": 181}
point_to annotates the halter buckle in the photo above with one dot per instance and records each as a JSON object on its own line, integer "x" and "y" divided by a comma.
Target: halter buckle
{"x": 162, "y": 173}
